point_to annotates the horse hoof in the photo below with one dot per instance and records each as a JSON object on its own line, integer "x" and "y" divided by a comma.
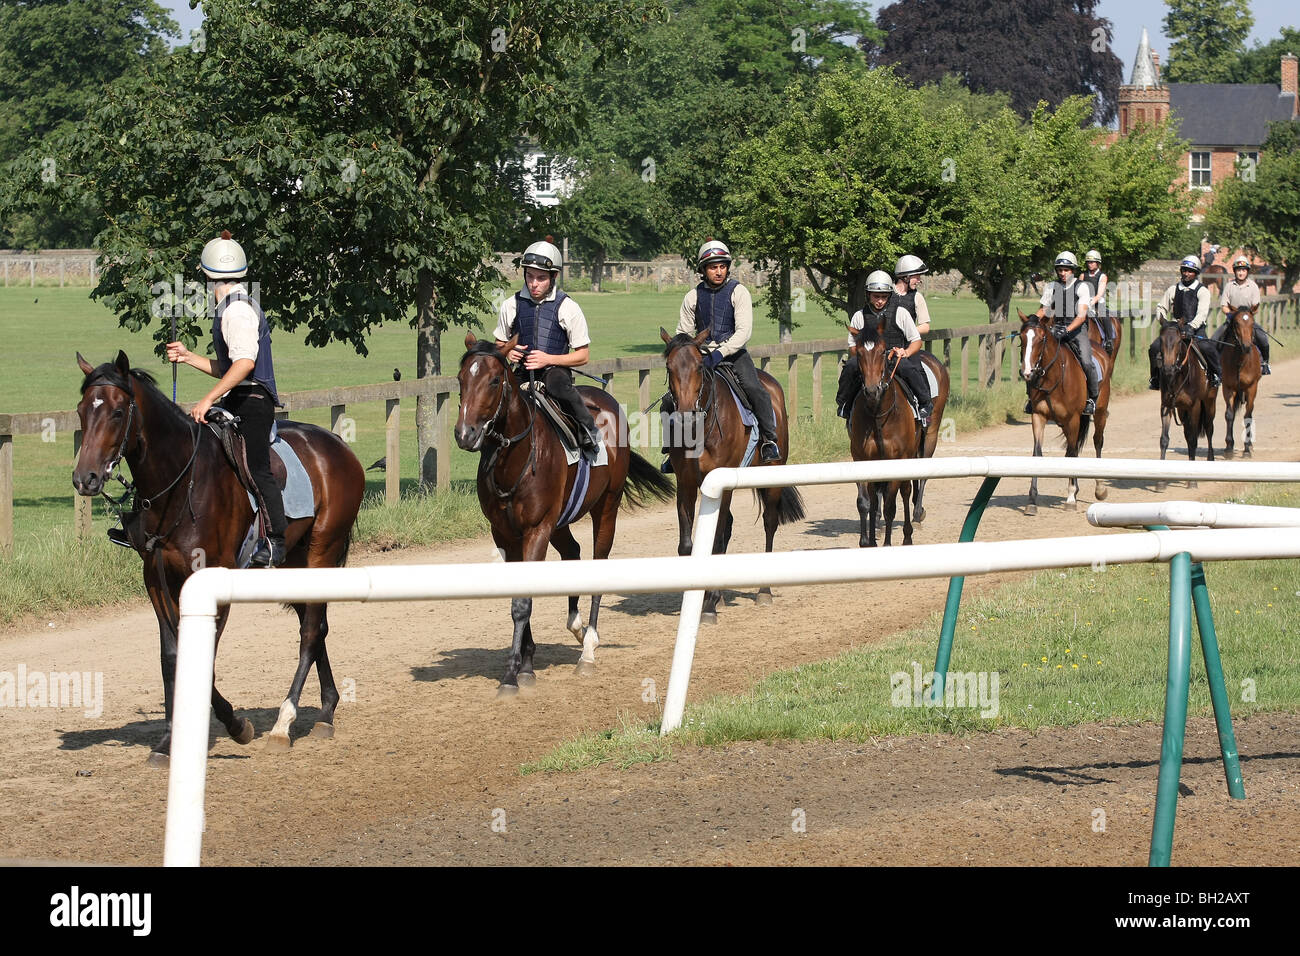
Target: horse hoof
{"x": 918, "y": 516}
{"x": 1247, "y": 453}
{"x": 763, "y": 598}
{"x": 244, "y": 732}
{"x": 1192, "y": 484}
{"x": 585, "y": 669}
{"x": 1227, "y": 454}
{"x": 1161, "y": 486}
{"x": 527, "y": 680}
{"x": 1031, "y": 510}
{"x": 160, "y": 761}
{"x": 575, "y": 627}
{"x": 708, "y": 617}
{"x": 1102, "y": 493}
{"x": 279, "y": 744}
{"x": 1069, "y": 506}
{"x": 507, "y": 691}
{"x": 323, "y": 730}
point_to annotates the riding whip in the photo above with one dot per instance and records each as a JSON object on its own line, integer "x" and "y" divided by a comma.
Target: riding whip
{"x": 173, "y": 363}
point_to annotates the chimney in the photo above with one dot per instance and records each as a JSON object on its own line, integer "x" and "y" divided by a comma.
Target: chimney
{"x": 1289, "y": 63}
{"x": 1155, "y": 61}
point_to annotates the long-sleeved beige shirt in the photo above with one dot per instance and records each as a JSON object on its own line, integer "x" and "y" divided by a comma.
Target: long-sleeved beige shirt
{"x": 1166, "y": 307}
{"x": 741, "y": 304}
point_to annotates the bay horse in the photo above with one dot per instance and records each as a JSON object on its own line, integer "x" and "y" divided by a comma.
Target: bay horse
{"x": 195, "y": 513}
{"x": 881, "y": 427}
{"x": 1241, "y": 373}
{"x": 525, "y": 480}
{"x": 1058, "y": 392}
{"x": 932, "y": 433}
{"x": 699, "y": 395}
{"x": 1185, "y": 394}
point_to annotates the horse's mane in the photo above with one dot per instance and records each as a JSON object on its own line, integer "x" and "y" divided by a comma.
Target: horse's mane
{"x": 109, "y": 372}
{"x": 680, "y": 339}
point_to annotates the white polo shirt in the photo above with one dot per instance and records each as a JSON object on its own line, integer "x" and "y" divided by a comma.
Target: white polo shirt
{"x": 570, "y": 315}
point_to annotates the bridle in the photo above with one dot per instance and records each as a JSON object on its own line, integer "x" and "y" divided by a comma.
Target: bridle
{"x": 707, "y": 397}
{"x": 501, "y": 442}
{"x": 1039, "y": 370}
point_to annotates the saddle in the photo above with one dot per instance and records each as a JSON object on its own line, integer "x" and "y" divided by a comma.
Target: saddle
{"x": 727, "y": 372}
{"x": 287, "y": 470}
{"x": 565, "y": 426}
{"x": 1096, "y": 362}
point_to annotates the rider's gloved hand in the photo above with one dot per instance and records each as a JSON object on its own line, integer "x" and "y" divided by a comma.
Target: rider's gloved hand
{"x": 713, "y": 359}
{"x": 1059, "y": 332}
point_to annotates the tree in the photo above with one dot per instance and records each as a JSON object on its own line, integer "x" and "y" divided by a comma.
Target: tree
{"x": 363, "y": 178}
{"x": 1263, "y": 215}
{"x": 55, "y": 58}
{"x": 608, "y": 216}
{"x": 1206, "y": 39}
{"x": 856, "y": 174}
{"x": 1031, "y": 49}
{"x": 1261, "y": 63}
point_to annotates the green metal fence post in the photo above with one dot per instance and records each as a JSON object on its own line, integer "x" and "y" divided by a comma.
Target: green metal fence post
{"x": 955, "y": 586}
{"x": 1176, "y": 684}
{"x": 1218, "y": 688}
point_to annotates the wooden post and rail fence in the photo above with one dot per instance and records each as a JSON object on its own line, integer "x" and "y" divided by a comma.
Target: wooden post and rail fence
{"x": 1276, "y": 312}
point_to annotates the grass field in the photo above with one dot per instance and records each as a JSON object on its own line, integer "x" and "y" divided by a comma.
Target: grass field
{"x": 1067, "y": 647}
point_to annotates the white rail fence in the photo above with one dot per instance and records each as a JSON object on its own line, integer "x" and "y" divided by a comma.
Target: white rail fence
{"x": 212, "y": 588}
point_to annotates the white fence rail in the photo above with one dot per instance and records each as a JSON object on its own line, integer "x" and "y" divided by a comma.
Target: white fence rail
{"x": 211, "y": 588}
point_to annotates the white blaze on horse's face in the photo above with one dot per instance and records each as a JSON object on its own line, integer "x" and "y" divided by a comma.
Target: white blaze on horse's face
{"x": 868, "y": 346}
{"x": 1029, "y": 352}
{"x": 96, "y": 403}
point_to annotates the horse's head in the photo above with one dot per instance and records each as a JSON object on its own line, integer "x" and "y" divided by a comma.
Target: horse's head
{"x": 871, "y": 354}
{"x": 110, "y": 421}
{"x": 485, "y": 383}
{"x": 1034, "y": 333}
{"x": 684, "y": 358}
{"x": 1172, "y": 350}
{"x": 1243, "y": 326}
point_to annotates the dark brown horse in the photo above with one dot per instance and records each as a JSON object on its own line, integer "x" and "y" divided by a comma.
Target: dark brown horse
{"x": 1185, "y": 393}
{"x": 1241, "y": 370}
{"x": 525, "y": 481}
{"x": 195, "y": 513}
{"x": 881, "y": 428}
{"x": 1058, "y": 392}
{"x": 932, "y": 433}
{"x": 719, "y": 440}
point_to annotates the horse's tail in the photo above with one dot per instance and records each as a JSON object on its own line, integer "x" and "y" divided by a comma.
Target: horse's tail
{"x": 789, "y": 507}
{"x": 1085, "y": 421}
{"x": 645, "y": 483}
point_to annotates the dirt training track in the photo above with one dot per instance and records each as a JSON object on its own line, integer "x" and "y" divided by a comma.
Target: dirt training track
{"x": 426, "y": 760}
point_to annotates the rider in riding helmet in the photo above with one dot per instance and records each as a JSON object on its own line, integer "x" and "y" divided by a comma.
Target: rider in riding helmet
{"x": 1067, "y": 298}
{"x": 1242, "y": 293}
{"x": 1093, "y": 275}
{"x": 1188, "y": 301}
{"x": 721, "y": 304}
{"x": 242, "y": 341}
{"x": 552, "y": 333}
{"x": 907, "y": 287}
{"x": 901, "y": 338}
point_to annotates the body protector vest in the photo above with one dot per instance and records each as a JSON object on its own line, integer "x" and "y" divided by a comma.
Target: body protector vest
{"x": 263, "y": 368}
{"x": 1065, "y": 302}
{"x": 1185, "y": 301}
{"x": 538, "y": 324}
{"x": 892, "y": 334}
{"x": 713, "y": 309}
{"x": 908, "y": 301}
{"x": 1095, "y": 282}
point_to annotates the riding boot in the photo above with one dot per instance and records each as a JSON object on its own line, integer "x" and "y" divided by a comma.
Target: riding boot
{"x": 1155, "y": 375}
{"x": 1213, "y": 367}
{"x": 850, "y": 385}
{"x": 666, "y": 409}
{"x": 1261, "y": 343}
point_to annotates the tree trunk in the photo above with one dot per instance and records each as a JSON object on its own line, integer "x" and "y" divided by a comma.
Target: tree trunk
{"x": 428, "y": 362}
{"x": 783, "y": 304}
{"x": 999, "y": 307}
{"x": 855, "y": 287}
{"x": 597, "y": 269}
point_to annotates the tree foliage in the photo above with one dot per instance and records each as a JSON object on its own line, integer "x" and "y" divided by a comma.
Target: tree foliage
{"x": 1207, "y": 39}
{"x": 1262, "y": 62}
{"x": 1263, "y": 215}
{"x": 1030, "y": 49}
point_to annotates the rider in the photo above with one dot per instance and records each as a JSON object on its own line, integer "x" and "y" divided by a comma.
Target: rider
{"x": 722, "y": 304}
{"x": 907, "y": 290}
{"x": 1068, "y": 299}
{"x": 549, "y": 324}
{"x": 1093, "y": 275}
{"x": 1242, "y": 293}
{"x": 1188, "y": 301}
{"x": 901, "y": 338}
{"x": 242, "y": 341}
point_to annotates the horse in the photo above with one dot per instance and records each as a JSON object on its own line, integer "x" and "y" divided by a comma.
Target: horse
{"x": 525, "y": 480}
{"x": 195, "y": 513}
{"x": 1241, "y": 373}
{"x": 700, "y": 396}
{"x": 1185, "y": 394}
{"x": 931, "y": 433}
{"x": 1058, "y": 391}
{"x": 881, "y": 427}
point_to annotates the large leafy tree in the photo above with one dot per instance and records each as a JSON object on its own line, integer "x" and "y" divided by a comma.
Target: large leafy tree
{"x": 364, "y": 177}
{"x": 1263, "y": 214}
{"x": 1262, "y": 62}
{"x": 1207, "y": 38}
{"x": 56, "y": 56}
{"x": 1030, "y": 49}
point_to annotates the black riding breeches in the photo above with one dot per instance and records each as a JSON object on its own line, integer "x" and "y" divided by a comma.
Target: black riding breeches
{"x": 558, "y": 380}
{"x": 759, "y": 400}
{"x": 910, "y": 371}
{"x": 256, "y": 411}
{"x": 1081, "y": 345}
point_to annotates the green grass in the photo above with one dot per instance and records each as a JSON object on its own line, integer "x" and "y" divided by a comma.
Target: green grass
{"x": 1068, "y": 647}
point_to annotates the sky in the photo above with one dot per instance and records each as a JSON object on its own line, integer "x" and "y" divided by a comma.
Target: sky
{"x": 1128, "y": 17}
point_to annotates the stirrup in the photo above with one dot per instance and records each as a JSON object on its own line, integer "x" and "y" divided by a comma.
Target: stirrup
{"x": 1154, "y": 384}
{"x": 270, "y": 552}
{"x": 120, "y": 537}
{"x": 845, "y": 410}
{"x": 769, "y": 451}
{"x": 1029, "y": 406}
{"x": 666, "y": 467}
{"x": 1090, "y": 407}
{"x": 1214, "y": 381}
{"x": 1264, "y": 369}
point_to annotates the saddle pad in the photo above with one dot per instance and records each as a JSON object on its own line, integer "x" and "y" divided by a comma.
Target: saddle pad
{"x": 931, "y": 379}
{"x": 574, "y": 504}
{"x": 749, "y": 420}
{"x": 560, "y": 422}
{"x": 296, "y": 489}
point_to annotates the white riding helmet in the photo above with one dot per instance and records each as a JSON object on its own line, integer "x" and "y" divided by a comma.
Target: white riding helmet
{"x": 1239, "y": 262}
{"x": 879, "y": 281}
{"x": 543, "y": 255}
{"x": 910, "y": 266}
{"x": 1191, "y": 262}
{"x": 713, "y": 251}
{"x": 1067, "y": 259}
{"x": 1093, "y": 256}
{"x": 223, "y": 258}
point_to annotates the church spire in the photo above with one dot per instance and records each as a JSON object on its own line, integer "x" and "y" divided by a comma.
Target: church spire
{"x": 1144, "y": 70}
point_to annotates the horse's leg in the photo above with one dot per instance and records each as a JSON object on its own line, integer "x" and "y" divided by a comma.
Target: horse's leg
{"x": 1039, "y": 424}
{"x": 1248, "y": 423}
{"x": 905, "y": 489}
{"x": 686, "y": 492}
{"x": 918, "y": 510}
{"x": 564, "y": 542}
{"x": 720, "y": 540}
{"x": 532, "y": 548}
{"x": 311, "y": 630}
{"x": 240, "y": 728}
{"x": 1098, "y": 439}
{"x": 771, "y": 519}
{"x": 329, "y": 694}
{"x": 164, "y": 609}
{"x": 890, "y": 510}
{"x": 1207, "y": 417}
{"x": 1165, "y": 416}
{"x": 604, "y": 519}
{"x": 864, "y": 514}
{"x": 1230, "y": 403}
